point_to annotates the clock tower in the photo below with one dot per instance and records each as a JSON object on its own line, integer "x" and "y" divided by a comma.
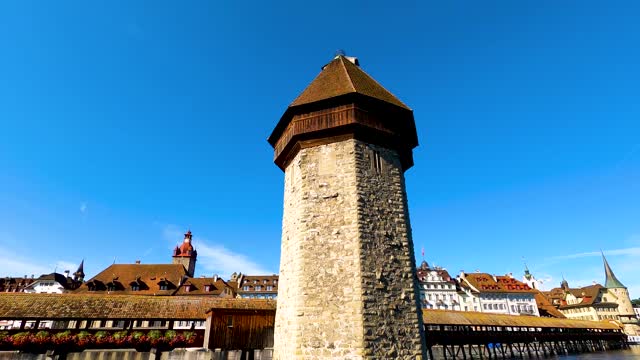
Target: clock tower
{"x": 186, "y": 254}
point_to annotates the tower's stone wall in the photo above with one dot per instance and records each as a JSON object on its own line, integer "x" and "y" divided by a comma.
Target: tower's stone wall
{"x": 347, "y": 286}
{"x": 188, "y": 262}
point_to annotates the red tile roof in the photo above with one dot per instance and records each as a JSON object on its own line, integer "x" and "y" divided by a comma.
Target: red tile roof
{"x": 205, "y": 287}
{"x": 149, "y": 278}
{"x": 484, "y": 282}
{"x": 10, "y": 284}
{"x": 546, "y": 308}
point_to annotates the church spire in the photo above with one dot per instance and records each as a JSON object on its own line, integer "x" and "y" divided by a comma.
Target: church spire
{"x": 79, "y": 274}
{"x": 610, "y": 281}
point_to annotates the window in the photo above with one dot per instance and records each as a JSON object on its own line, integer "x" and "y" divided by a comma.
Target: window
{"x": 258, "y": 288}
{"x": 264, "y": 281}
{"x": 207, "y": 288}
{"x": 275, "y": 282}
{"x": 135, "y": 287}
{"x": 245, "y": 288}
{"x": 269, "y": 288}
{"x": 187, "y": 288}
{"x": 229, "y": 321}
{"x": 376, "y": 163}
{"x": 163, "y": 286}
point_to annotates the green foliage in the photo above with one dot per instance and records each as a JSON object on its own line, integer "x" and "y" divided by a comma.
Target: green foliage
{"x": 20, "y": 336}
{"x": 137, "y": 335}
{"x": 154, "y": 334}
{"x": 4, "y": 335}
{"x": 188, "y": 334}
{"x": 636, "y": 302}
{"x": 120, "y": 335}
{"x": 101, "y": 334}
{"x": 63, "y": 334}
{"x": 170, "y": 334}
{"x": 84, "y": 334}
{"x": 42, "y": 334}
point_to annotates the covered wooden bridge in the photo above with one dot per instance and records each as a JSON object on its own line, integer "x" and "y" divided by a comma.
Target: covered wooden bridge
{"x": 473, "y": 335}
{"x": 247, "y": 325}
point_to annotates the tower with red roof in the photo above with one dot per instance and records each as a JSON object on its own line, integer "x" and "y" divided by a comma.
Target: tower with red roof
{"x": 185, "y": 254}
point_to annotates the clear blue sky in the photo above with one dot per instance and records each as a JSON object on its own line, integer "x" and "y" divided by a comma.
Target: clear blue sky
{"x": 124, "y": 123}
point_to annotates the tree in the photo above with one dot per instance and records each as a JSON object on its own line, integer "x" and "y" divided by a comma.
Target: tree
{"x": 636, "y": 302}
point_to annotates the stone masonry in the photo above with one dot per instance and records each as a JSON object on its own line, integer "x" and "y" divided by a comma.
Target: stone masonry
{"x": 347, "y": 274}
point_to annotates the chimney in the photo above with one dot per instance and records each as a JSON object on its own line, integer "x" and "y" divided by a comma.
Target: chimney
{"x": 137, "y": 261}
{"x": 66, "y": 273}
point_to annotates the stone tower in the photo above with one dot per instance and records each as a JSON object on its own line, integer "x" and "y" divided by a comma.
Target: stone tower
{"x": 186, "y": 254}
{"x": 625, "y": 308}
{"x": 347, "y": 287}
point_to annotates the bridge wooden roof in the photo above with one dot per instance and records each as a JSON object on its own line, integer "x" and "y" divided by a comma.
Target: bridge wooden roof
{"x": 85, "y": 306}
{"x": 445, "y": 317}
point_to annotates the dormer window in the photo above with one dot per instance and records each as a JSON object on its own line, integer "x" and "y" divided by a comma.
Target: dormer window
{"x": 275, "y": 282}
{"x": 111, "y": 287}
{"x": 207, "y": 288}
{"x": 187, "y": 288}
{"x": 255, "y": 281}
{"x": 135, "y": 287}
{"x": 264, "y": 281}
{"x": 163, "y": 286}
{"x": 258, "y": 288}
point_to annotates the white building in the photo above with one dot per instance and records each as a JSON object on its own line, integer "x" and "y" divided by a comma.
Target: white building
{"x": 531, "y": 280}
{"x": 497, "y": 294}
{"x": 53, "y": 283}
{"x": 437, "y": 289}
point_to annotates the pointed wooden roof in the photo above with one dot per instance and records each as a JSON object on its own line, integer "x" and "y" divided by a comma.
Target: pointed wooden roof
{"x": 341, "y": 77}
{"x": 343, "y": 100}
{"x": 611, "y": 281}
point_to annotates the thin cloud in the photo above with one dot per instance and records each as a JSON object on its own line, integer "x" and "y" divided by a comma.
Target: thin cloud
{"x": 19, "y": 266}
{"x": 215, "y": 258}
{"x": 83, "y": 208}
{"x": 631, "y": 251}
{"x": 218, "y": 259}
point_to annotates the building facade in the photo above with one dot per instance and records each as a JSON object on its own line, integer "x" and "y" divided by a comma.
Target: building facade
{"x": 255, "y": 286}
{"x": 597, "y": 302}
{"x": 53, "y": 283}
{"x": 497, "y": 294}
{"x": 437, "y": 289}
